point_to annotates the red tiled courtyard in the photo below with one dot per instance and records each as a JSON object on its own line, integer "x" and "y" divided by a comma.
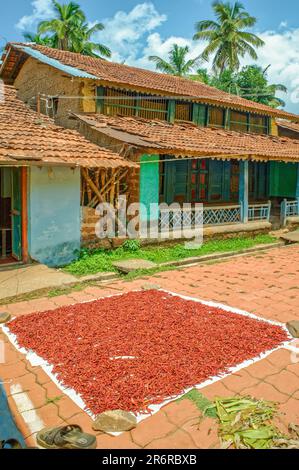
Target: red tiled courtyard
{"x": 265, "y": 284}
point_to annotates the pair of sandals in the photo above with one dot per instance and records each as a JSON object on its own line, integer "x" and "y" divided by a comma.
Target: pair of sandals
{"x": 65, "y": 437}
{"x": 59, "y": 437}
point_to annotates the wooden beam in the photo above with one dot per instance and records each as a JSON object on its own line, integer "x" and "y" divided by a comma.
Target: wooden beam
{"x": 91, "y": 183}
{"x": 243, "y": 190}
{"x": 171, "y": 111}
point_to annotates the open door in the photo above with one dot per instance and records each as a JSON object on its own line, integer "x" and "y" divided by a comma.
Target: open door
{"x": 16, "y": 214}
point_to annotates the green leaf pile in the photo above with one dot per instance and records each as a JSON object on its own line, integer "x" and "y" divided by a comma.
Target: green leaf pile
{"x": 245, "y": 423}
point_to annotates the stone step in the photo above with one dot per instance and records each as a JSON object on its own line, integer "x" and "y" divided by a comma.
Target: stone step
{"x": 291, "y": 237}
{"x": 129, "y": 265}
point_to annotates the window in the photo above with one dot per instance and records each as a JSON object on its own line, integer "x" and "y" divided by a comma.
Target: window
{"x": 183, "y": 111}
{"x": 216, "y": 117}
{"x": 239, "y": 121}
{"x": 151, "y": 108}
{"x": 129, "y": 103}
{"x": 258, "y": 124}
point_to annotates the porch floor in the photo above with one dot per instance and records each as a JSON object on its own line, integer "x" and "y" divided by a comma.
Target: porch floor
{"x": 210, "y": 230}
{"x": 16, "y": 279}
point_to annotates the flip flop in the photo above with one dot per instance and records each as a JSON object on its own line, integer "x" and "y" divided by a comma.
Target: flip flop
{"x": 10, "y": 444}
{"x": 65, "y": 437}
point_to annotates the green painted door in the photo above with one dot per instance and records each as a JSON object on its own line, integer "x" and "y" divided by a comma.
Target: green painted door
{"x": 176, "y": 181}
{"x": 219, "y": 181}
{"x": 283, "y": 179}
{"x": 16, "y": 214}
{"x": 258, "y": 181}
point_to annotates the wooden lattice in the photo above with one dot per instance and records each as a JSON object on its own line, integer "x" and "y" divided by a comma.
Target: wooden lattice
{"x": 102, "y": 185}
{"x": 129, "y": 103}
{"x": 216, "y": 117}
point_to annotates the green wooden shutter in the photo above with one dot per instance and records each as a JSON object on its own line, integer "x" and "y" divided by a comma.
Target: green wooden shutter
{"x": 149, "y": 186}
{"x": 199, "y": 114}
{"x": 16, "y": 214}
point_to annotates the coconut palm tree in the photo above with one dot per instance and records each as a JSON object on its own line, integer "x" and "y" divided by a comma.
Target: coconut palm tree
{"x": 84, "y": 45}
{"x": 177, "y": 63}
{"x": 254, "y": 85}
{"x": 228, "y": 38}
{"x": 38, "y": 39}
{"x": 70, "y": 31}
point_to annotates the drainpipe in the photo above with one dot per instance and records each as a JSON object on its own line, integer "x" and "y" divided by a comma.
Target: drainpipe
{"x": 243, "y": 191}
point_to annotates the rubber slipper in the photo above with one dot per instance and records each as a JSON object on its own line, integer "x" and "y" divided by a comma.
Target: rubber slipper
{"x": 65, "y": 437}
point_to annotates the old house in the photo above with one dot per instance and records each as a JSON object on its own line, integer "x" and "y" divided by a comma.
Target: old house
{"x": 40, "y": 164}
{"x": 191, "y": 143}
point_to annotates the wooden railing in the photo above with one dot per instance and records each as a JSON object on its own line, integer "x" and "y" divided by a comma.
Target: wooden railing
{"x": 259, "y": 211}
{"x": 178, "y": 218}
{"x": 288, "y": 209}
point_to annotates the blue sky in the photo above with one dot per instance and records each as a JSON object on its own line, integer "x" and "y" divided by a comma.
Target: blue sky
{"x": 136, "y": 29}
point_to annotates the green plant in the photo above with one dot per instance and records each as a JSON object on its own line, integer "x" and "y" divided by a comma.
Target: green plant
{"x": 228, "y": 39}
{"x": 131, "y": 245}
{"x": 177, "y": 64}
{"x": 203, "y": 403}
{"x": 70, "y": 31}
{"x": 100, "y": 260}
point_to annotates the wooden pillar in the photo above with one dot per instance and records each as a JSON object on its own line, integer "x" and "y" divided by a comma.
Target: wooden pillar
{"x": 24, "y": 202}
{"x": 100, "y": 99}
{"x": 171, "y": 110}
{"x": 243, "y": 190}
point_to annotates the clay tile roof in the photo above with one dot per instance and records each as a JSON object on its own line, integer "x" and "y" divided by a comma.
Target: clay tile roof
{"x": 132, "y": 77}
{"x": 288, "y": 125}
{"x": 26, "y": 137}
{"x": 189, "y": 140}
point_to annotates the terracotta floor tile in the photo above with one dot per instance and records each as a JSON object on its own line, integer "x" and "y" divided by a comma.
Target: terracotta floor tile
{"x": 13, "y": 371}
{"x": 82, "y": 419}
{"x": 181, "y": 411}
{"x": 262, "y": 369}
{"x": 286, "y": 382}
{"x": 239, "y": 380}
{"x": 265, "y": 391}
{"x": 49, "y": 415}
{"x": 156, "y": 426}
{"x": 280, "y": 359}
{"x": 203, "y": 432}
{"x": 67, "y": 408}
{"x": 216, "y": 390}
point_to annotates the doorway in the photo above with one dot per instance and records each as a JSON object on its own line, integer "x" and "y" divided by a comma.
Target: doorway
{"x": 11, "y": 249}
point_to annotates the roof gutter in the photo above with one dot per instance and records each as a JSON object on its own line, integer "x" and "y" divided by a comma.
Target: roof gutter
{"x": 74, "y": 72}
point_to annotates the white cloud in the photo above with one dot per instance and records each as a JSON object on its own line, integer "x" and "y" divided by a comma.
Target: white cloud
{"x": 132, "y": 37}
{"x": 125, "y": 32}
{"x": 42, "y": 9}
{"x": 281, "y": 51}
{"x": 283, "y": 24}
{"x": 155, "y": 45}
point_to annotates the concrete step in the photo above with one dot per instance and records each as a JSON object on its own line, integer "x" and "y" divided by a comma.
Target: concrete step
{"x": 291, "y": 237}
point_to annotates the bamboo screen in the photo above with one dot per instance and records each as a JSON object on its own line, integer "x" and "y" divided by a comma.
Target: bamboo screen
{"x": 119, "y": 102}
{"x": 238, "y": 121}
{"x": 127, "y": 103}
{"x": 258, "y": 124}
{"x": 183, "y": 111}
{"x": 102, "y": 185}
{"x": 153, "y": 108}
{"x": 216, "y": 117}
